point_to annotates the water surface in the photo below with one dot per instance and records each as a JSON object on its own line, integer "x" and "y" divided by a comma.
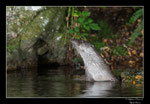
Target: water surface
{"x": 58, "y": 82}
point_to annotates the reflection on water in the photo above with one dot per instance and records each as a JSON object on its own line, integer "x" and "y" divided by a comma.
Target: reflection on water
{"x": 98, "y": 89}
{"x": 58, "y": 82}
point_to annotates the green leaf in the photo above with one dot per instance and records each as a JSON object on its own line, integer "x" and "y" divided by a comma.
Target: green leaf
{"x": 75, "y": 14}
{"x": 71, "y": 31}
{"x": 84, "y": 34}
{"x": 76, "y": 21}
{"x": 81, "y": 20}
{"x": 119, "y": 50}
{"x": 77, "y": 34}
{"x": 83, "y": 37}
{"x": 98, "y": 45}
{"x": 86, "y": 14}
{"x": 77, "y": 29}
{"x": 90, "y": 20}
{"x": 94, "y": 26}
{"x": 77, "y": 37}
{"x": 87, "y": 27}
{"x": 136, "y": 15}
{"x": 136, "y": 33}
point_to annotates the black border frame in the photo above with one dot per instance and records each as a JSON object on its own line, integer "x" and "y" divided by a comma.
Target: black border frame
{"x": 4, "y": 100}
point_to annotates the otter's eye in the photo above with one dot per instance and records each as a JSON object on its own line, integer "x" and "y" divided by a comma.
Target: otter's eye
{"x": 82, "y": 50}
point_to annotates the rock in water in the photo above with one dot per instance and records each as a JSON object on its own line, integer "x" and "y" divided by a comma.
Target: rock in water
{"x": 95, "y": 67}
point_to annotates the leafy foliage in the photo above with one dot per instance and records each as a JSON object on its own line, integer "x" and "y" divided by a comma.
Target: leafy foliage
{"x": 83, "y": 24}
{"x": 137, "y": 32}
{"x": 106, "y": 30}
{"x": 135, "y": 16}
{"x": 99, "y": 45}
{"x": 119, "y": 50}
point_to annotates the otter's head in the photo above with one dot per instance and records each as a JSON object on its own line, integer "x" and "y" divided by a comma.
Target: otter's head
{"x": 82, "y": 45}
{"x": 78, "y": 42}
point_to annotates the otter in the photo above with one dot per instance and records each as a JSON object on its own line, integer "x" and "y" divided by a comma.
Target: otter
{"x": 94, "y": 65}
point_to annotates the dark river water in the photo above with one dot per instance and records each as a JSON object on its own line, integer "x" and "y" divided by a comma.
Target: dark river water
{"x": 58, "y": 82}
